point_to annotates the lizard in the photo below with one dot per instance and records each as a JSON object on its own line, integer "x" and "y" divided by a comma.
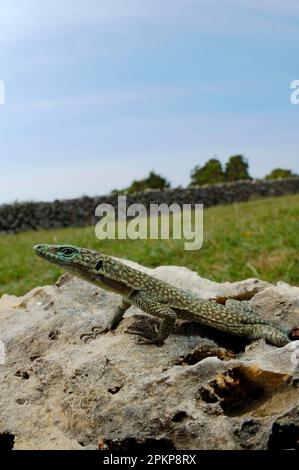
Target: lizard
{"x": 157, "y": 298}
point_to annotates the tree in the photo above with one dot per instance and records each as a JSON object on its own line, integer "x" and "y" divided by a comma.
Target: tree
{"x": 153, "y": 181}
{"x": 211, "y": 172}
{"x": 237, "y": 169}
{"x": 280, "y": 173}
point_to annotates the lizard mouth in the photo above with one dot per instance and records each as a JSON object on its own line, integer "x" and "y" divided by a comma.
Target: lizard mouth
{"x": 43, "y": 252}
{"x": 39, "y": 249}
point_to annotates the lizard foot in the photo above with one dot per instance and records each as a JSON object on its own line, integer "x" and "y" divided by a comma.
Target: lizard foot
{"x": 95, "y": 332}
{"x": 148, "y": 332}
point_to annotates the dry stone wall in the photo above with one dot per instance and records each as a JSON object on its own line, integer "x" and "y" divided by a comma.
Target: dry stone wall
{"x": 22, "y": 216}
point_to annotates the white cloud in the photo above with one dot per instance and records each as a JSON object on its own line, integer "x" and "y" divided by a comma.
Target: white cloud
{"x": 21, "y": 19}
{"x": 28, "y": 18}
{"x": 100, "y": 99}
{"x": 269, "y": 6}
{"x": 125, "y": 96}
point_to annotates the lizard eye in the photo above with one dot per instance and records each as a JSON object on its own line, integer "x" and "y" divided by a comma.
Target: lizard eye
{"x": 67, "y": 251}
{"x": 99, "y": 265}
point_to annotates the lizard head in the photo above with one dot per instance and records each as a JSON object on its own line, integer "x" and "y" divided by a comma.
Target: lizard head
{"x": 90, "y": 265}
{"x": 80, "y": 261}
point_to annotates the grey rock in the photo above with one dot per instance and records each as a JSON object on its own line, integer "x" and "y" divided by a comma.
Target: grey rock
{"x": 200, "y": 390}
{"x": 279, "y": 304}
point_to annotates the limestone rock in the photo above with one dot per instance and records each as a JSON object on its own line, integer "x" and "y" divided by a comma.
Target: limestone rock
{"x": 201, "y": 390}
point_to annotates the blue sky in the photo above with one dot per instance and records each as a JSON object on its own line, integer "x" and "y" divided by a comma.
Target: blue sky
{"x": 98, "y": 93}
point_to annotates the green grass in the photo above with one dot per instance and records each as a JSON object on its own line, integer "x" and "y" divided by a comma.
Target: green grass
{"x": 258, "y": 238}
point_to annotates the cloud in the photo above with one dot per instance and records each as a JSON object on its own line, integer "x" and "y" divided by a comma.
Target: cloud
{"x": 21, "y": 19}
{"x": 268, "y": 6}
{"x": 98, "y": 99}
{"x": 114, "y": 97}
{"x": 28, "y": 18}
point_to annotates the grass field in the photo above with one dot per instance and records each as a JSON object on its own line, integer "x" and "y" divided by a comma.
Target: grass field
{"x": 259, "y": 238}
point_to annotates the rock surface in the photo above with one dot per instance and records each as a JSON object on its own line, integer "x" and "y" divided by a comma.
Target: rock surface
{"x": 201, "y": 390}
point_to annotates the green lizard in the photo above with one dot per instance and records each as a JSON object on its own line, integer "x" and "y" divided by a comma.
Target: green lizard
{"x": 157, "y": 298}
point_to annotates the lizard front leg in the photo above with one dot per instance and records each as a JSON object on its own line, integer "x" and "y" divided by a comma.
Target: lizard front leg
{"x": 116, "y": 318}
{"x": 148, "y": 331}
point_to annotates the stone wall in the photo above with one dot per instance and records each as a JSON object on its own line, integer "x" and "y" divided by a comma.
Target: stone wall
{"x": 78, "y": 212}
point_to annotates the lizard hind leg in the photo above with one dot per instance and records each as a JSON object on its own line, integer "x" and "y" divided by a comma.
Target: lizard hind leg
{"x": 149, "y": 331}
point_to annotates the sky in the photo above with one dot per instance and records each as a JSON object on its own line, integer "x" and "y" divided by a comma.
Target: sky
{"x": 100, "y": 92}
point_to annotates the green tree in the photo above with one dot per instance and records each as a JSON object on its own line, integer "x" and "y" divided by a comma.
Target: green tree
{"x": 152, "y": 181}
{"x": 280, "y": 173}
{"x": 237, "y": 169}
{"x": 210, "y": 172}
